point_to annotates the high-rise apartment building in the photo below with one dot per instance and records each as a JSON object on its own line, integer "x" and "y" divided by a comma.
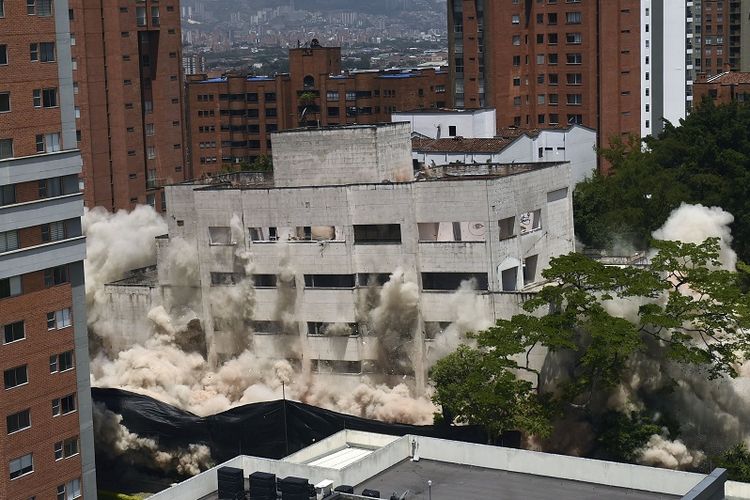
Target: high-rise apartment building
{"x": 546, "y": 63}
{"x": 127, "y": 68}
{"x": 46, "y": 438}
{"x": 618, "y": 66}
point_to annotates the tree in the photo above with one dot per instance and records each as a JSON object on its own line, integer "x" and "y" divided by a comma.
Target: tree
{"x": 688, "y": 311}
{"x": 478, "y": 389}
{"x": 705, "y": 160}
{"x": 736, "y": 460}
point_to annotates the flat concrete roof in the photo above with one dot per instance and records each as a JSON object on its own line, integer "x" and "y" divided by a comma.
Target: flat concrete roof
{"x": 454, "y": 481}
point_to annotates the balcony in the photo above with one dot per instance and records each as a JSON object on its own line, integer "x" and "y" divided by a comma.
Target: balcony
{"x": 36, "y": 258}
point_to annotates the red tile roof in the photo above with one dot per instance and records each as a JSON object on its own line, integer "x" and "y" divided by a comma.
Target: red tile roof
{"x": 460, "y": 145}
{"x": 730, "y": 78}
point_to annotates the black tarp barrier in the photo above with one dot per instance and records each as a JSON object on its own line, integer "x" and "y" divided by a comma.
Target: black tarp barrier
{"x": 255, "y": 429}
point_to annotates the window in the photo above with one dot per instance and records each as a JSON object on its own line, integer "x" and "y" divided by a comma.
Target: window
{"x": 4, "y": 102}
{"x": 509, "y": 279}
{"x": 515, "y": 19}
{"x": 3, "y": 54}
{"x": 44, "y": 51}
{"x": 10, "y": 287}
{"x": 48, "y": 143}
{"x": 530, "y": 221}
{"x": 553, "y": 99}
{"x": 13, "y": 377}
{"x": 70, "y": 490}
{"x": 2, "y": 8}
{"x": 575, "y": 119}
{"x": 377, "y": 233}
{"x": 574, "y": 58}
{"x": 507, "y": 227}
{"x": 151, "y": 152}
{"x": 452, "y": 281}
{"x": 8, "y": 241}
{"x": 516, "y": 39}
{"x": 18, "y": 421}
{"x": 55, "y": 276}
{"x": 573, "y": 18}
{"x": 516, "y": 60}
{"x": 57, "y": 320}
{"x": 61, "y": 362}
{"x": 573, "y": 38}
{"x": 155, "y": 16}
{"x": 6, "y": 150}
{"x": 574, "y": 78}
{"x": 13, "y": 332}
{"x": 45, "y": 98}
{"x": 452, "y": 130}
{"x": 66, "y": 448}
{"x": 22, "y": 465}
{"x": 330, "y": 280}
{"x": 140, "y": 16}
{"x": 332, "y": 95}
{"x": 64, "y": 405}
{"x": 529, "y": 269}
{"x": 149, "y": 129}
{"x": 220, "y": 235}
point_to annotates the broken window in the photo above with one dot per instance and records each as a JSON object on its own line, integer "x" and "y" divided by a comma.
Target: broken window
{"x": 529, "y": 269}
{"x": 507, "y": 228}
{"x": 264, "y": 280}
{"x": 329, "y": 280}
{"x": 336, "y": 366}
{"x": 377, "y": 233}
{"x": 510, "y": 279}
{"x": 452, "y": 281}
{"x": 434, "y": 328}
{"x": 221, "y": 235}
{"x": 314, "y": 233}
{"x": 317, "y": 329}
{"x": 218, "y": 279}
{"x": 452, "y": 231}
{"x": 266, "y": 327}
{"x": 372, "y": 279}
{"x": 530, "y": 221}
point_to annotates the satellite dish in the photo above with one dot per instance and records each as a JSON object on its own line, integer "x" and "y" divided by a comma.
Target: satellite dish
{"x": 477, "y": 229}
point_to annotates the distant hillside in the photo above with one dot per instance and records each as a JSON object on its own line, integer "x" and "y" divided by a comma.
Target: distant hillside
{"x": 385, "y": 7}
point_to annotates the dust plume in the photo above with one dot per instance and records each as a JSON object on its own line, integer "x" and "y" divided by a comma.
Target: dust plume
{"x": 115, "y": 440}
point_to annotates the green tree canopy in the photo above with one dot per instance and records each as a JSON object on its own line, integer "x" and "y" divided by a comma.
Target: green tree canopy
{"x": 706, "y": 160}
{"x": 684, "y": 308}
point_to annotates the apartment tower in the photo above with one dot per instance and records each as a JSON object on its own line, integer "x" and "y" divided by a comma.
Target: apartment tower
{"x": 127, "y": 69}
{"x": 618, "y": 66}
{"x": 46, "y": 437}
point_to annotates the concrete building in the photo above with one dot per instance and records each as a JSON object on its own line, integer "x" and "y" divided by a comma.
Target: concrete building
{"x": 127, "y": 70}
{"x": 442, "y": 123}
{"x": 343, "y": 217}
{"x": 574, "y": 144}
{"x": 422, "y": 468}
{"x": 231, "y": 118}
{"x": 724, "y": 87}
{"x": 46, "y": 439}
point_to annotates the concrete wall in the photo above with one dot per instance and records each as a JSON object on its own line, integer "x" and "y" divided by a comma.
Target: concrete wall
{"x": 436, "y": 124}
{"x": 355, "y": 154}
{"x": 479, "y": 202}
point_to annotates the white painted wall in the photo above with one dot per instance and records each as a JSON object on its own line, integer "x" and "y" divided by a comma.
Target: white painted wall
{"x": 436, "y": 124}
{"x": 674, "y": 30}
{"x": 647, "y": 118}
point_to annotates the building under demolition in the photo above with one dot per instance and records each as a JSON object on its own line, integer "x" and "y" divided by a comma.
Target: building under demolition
{"x": 345, "y": 261}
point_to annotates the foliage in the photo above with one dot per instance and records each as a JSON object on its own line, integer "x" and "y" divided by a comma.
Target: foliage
{"x": 736, "y": 460}
{"x": 478, "y": 389}
{"x": 705, "y": 161}
{"x": 262, "y": 163}
{"x": 683, "y": 306}
{"x": 623, "y": 435}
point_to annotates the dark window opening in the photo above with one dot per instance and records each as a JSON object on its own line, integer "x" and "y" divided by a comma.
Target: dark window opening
{"x": 452, "y": 281}
{"x": 377, "y": 233}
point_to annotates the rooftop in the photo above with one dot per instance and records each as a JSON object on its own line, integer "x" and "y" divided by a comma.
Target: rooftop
{"x": 460, "y": 145}
{"x": 729, "y": 78}
{"x": 404, "y": 465}
{"x": 145, "y": 276}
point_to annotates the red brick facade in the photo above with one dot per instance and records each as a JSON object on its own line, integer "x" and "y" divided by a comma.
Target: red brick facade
{"x": 129, "y": 90}
{"x": 231, "y": 118}
{"x": 547, "y": 63}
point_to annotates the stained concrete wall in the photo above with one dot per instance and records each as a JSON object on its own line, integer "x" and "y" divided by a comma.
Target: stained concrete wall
{"x": 345, "y": 155}
{"x": 436, "y": 124}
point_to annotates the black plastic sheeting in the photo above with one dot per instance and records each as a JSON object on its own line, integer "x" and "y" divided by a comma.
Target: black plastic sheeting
{"x": 256, "y": 429}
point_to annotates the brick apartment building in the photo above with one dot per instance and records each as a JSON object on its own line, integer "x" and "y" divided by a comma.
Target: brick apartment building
{"x": 127, "y": 68}
{"x": 46, "y": 438}
{"x": 724, "y": 87}
{"x": 230, "y": 118}
{"x": 541, "y": 64}
{"x": 618, "y": 66}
